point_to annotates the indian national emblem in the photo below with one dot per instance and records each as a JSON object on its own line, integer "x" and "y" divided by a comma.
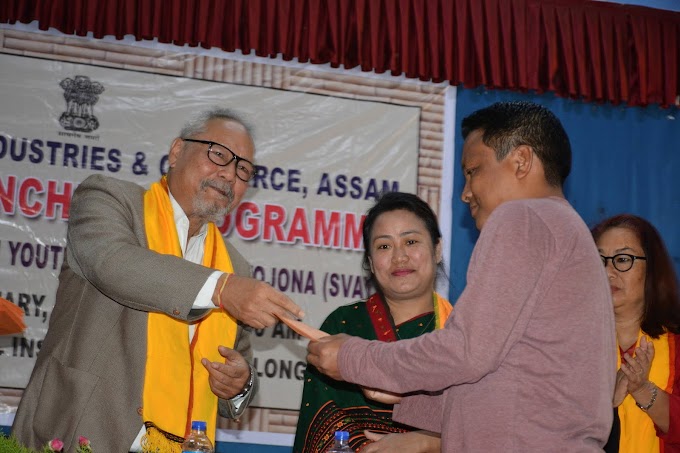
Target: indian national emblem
{"x": 81, "y": 95}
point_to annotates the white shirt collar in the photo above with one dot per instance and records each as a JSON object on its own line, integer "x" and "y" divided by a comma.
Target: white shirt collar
{"x": 182, "y": 225}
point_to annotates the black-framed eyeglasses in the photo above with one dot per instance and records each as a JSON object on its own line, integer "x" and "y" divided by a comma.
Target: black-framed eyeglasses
{"x": 622, "y": 262}
{"x": 223, "y": 156}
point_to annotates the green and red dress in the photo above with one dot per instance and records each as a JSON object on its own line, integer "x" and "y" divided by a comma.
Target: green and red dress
{"x": 329, "y": 405}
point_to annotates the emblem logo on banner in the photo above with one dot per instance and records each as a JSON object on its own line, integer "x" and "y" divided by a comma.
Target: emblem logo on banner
{"x": 81, "y": 94}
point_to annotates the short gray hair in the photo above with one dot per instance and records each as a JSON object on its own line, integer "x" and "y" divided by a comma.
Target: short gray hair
{"x": 197, "y": 124}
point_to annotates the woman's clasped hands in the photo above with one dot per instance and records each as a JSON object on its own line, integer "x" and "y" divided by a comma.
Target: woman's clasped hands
{"x": 633, "y": 375}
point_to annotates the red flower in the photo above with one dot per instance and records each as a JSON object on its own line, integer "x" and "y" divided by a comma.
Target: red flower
{"x": 56, "y": 445}
{"x": 83, "y": 441}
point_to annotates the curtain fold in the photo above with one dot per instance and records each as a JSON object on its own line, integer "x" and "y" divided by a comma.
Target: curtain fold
{"x": 595, "y": 51}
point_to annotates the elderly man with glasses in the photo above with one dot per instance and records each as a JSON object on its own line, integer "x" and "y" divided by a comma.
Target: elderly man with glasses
{"x": 145, "y": 335}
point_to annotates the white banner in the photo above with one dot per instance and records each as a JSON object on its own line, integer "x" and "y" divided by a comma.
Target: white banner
{"x": 322, "y": 161}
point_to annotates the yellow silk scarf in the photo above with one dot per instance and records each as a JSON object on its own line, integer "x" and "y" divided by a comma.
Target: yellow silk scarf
{"x": 638, "y": 434}
{"x": 176, "y": 388}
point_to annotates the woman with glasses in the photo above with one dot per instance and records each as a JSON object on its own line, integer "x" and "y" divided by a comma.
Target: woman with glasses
{"x": 646, "y": 302}
{"x": 402, "y": 252}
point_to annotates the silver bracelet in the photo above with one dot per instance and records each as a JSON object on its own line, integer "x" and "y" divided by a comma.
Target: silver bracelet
{"x": 655, "y": 392}
{"x": 249, "y": 384}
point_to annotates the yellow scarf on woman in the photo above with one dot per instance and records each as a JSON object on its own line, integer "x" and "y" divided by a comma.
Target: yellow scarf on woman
{"x": 638, "y": 434}
{"x": 176, "y": 388}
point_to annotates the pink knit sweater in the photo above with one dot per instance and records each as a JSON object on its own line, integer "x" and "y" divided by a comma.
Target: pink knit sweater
{"x": 527, "y": 361}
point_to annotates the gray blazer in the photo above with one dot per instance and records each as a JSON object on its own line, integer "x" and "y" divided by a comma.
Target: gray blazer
{"x": 89, "y": 375}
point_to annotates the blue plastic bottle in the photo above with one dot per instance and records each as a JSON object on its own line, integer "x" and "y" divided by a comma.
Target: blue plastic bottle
{"x": 341, "y": 443}
{"x": 197, "y": 441}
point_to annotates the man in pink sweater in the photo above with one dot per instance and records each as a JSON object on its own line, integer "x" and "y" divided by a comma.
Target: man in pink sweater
{"x": 526, "y": 362}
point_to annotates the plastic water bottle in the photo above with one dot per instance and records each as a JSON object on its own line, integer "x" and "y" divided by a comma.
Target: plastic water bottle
{"x": 197, "y": 441}
{"x": 341, "y": 443}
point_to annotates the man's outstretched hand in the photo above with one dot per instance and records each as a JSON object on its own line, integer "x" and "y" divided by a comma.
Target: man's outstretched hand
{"x": 323, "y": 354}
{"x": 254, "y": 302}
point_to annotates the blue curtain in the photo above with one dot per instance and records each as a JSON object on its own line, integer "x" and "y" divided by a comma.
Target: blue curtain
{"x": 625, "y": 159}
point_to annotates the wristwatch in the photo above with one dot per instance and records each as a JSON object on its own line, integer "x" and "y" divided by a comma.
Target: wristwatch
{"x": 248, "y": 386}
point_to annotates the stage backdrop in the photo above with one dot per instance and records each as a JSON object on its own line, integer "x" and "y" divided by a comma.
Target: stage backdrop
{"x": 322, "y": 160}
{"x": 624, "y": 160}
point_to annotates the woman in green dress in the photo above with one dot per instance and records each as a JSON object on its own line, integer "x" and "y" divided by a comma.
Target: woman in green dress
{"x": 402, "y": 252}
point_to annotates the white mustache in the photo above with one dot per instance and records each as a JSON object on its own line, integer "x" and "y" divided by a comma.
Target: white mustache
{"x": 222, "y": 187}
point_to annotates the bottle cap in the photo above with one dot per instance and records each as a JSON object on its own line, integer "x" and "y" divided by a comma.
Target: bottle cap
{"x": 341, "y": 435}
{"x": 198, "y": 425}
